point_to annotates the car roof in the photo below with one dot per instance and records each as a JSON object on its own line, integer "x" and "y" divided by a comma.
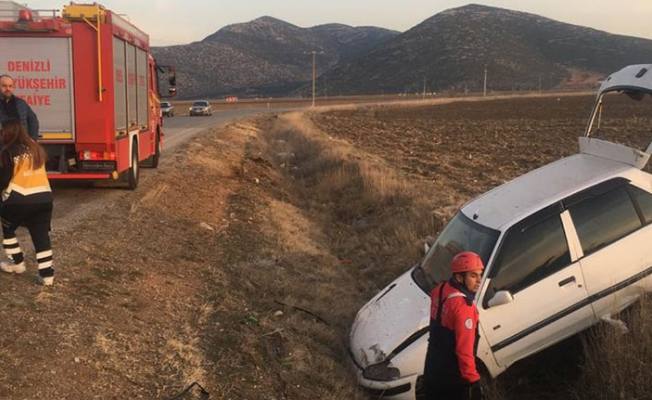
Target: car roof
{"x": 633, "y": 77}
{"x": 511, "y": 202}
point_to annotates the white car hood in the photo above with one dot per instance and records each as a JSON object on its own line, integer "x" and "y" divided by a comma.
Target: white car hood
{"x": 392, "y": 316}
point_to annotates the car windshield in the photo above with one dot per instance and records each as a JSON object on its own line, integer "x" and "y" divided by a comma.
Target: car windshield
{"x": 461, "y": 234}
{"x": 200, "y": 104}
{"x": 165, "y": 104}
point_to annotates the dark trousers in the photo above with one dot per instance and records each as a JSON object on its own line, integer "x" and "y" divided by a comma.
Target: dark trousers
{"x": 36, "y": 218}
{"x": 454, "y": 392}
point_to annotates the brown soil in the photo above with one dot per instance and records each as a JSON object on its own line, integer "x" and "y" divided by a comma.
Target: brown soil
{"x": 463, "y": 149}
{"x": 242, "y": 261}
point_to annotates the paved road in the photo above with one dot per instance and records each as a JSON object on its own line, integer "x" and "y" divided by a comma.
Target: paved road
{"x": 180, "y": 128}
{"x": 74, "y": 200}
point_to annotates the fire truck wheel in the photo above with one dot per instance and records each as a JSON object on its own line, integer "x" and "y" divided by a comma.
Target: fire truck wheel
{"x": 152, "y": 161}
{"x": 157, "y": 152}
{"x": 134, "y": 171}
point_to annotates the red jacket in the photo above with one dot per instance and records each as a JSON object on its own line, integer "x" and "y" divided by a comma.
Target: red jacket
{"x": 460, "y": 316}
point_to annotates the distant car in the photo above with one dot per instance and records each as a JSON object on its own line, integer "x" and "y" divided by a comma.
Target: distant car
{"x": 201, "y": 107}
{"x": 565, "y": 246}
{"x": 167, "y": 109}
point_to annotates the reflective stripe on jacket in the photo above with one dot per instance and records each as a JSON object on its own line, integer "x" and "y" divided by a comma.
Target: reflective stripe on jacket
{"x": 23, "y": 184}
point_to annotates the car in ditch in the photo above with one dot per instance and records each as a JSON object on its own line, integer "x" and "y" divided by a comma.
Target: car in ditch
{"x": 201, "y": 107}
{"x": 565, "y": 246}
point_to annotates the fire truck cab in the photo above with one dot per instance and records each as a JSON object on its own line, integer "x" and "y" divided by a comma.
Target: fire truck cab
{"x": 91, "y": 79}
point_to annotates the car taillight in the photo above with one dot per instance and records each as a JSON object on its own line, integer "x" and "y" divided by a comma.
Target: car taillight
{"x": 88, "y": 155}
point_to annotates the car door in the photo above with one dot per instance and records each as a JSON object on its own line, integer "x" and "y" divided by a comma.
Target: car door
{"x": 536, "y": 268}
{"x": 613, "y": 224}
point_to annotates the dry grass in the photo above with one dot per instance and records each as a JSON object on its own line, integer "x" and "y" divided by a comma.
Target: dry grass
{"x": 374, "y": 219}
{"x": 617, "y": 365}
{"x": 321, "y": 229}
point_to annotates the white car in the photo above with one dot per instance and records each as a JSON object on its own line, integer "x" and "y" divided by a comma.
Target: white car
{"x": 565, "y": 246}
{"x": 201, "y": 107}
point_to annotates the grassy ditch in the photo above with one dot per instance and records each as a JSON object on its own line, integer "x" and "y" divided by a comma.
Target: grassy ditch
{"x": 374, "y": 219}
{"x": 618, "y": 365}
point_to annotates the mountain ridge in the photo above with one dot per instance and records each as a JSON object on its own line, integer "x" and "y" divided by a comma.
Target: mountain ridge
{"x": 265, "y": 56}
{"x": 449, "y": 51}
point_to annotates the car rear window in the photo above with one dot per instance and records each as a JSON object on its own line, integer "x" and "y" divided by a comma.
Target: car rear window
{"x": 644, "y": 201}
{"x": 531, "y": 251}
{"x": 603, "y": 219}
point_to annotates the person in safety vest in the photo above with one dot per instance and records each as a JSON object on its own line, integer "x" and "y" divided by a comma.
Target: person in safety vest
{"x": 26, "y": 200}
{"x": 450, "y": 371}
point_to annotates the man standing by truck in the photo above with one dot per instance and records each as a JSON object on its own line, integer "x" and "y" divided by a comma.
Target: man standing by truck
{"x": 450, "y": 372}
{"x": 12, "y": 107}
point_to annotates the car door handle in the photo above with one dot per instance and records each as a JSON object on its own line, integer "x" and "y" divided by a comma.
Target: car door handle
{"x": 567, "y": 281}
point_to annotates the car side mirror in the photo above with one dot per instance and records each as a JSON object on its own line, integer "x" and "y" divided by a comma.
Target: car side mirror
{"x": 427, "y": 244}
{"x": 501, "y": 297}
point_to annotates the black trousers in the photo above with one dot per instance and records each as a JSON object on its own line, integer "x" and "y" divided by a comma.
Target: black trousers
{"x": 37, "y": 219}
{"x": 453, "y": 392}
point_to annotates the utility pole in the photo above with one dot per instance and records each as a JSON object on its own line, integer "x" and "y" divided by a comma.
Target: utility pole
{"x": 314, "y": 74}
{"x": 485, "y": 81}
{"x": 540, "y": 84}
{"x": 423, "y": 97}
{"x": 314, "y": 77}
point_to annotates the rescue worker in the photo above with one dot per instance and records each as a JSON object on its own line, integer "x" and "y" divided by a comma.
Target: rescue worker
{"x": 26, "y": 200}
{"x": 450, "y": 372}
{"x": 12, "y": 107}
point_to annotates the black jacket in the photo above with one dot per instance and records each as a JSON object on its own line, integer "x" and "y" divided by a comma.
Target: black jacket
{"x": 23, "y": 112}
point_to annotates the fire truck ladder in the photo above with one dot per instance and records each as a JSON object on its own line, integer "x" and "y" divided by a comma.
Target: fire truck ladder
{"x": 94, "y": 15}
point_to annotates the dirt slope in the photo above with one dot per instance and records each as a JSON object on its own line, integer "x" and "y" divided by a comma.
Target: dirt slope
{"x": 131, "y": 292}
{"x": 207, "y": 273}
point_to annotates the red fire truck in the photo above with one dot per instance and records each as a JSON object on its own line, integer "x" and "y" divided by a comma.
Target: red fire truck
{"x": 91, "y": 79}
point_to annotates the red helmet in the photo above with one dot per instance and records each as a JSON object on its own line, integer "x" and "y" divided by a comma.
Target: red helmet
{"x": 466, "y": 261}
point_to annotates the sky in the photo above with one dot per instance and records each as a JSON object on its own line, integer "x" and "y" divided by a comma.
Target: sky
{"x": 184, "y": 21}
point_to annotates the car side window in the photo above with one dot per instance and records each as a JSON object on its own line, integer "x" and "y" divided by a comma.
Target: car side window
{"x": 531, "y": 252}
{"x": 644, "y": 201}
{"x": 601, "y": 220}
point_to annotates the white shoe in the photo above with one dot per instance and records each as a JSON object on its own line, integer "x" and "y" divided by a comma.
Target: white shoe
{"x": 47, "y": 281}
{"x": 12, "y": 268}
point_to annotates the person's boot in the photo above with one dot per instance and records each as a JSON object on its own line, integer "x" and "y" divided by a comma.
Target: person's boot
{"x": 46, "y": 276}
{"x": 11, "y": 268}
{"x": 46, "y": 280}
